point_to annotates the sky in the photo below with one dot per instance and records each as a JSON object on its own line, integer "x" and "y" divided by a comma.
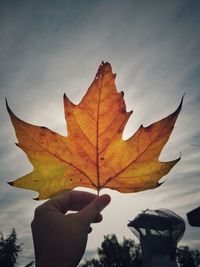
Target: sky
{"x": 49, "y": 48}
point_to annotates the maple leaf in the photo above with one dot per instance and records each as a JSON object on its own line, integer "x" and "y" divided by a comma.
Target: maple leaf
{"x": 94, "y": 155}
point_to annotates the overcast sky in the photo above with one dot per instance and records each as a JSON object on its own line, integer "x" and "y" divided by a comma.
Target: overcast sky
{"x": 48, "y": 48}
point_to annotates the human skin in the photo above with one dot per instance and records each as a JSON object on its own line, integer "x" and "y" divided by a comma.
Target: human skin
{"x": 60, "y": 237}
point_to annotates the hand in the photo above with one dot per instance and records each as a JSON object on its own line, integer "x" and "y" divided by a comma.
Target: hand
{"x": 60, "y": 239}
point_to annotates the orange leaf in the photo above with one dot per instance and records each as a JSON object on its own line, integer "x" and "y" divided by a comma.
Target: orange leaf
{"x": 94, "y": 154}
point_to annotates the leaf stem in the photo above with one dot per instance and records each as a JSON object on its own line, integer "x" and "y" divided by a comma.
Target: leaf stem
{"x": 98, "y": 191}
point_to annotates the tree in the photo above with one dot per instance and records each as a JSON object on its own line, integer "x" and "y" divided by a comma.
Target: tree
{"x": 127, "y": 254}
{"x": 9, "y": 250}
{"x": 112, "y": 253}
{"x": 187, "y": 257}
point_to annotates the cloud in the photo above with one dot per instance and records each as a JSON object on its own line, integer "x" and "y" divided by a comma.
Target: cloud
{"x": 51, "y": 48}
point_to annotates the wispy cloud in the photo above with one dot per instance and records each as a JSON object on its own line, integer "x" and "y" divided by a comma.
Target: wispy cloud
{"x": 49, "y": 49}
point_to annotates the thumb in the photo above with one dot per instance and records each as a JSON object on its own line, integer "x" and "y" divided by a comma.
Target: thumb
{"x": 90, "y": 212}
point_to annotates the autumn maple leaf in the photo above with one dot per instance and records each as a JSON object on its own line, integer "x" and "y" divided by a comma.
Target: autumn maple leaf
{"x": 94, "y": 155}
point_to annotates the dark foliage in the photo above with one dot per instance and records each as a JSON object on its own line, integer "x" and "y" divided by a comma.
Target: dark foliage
{"x": 112, "y": 254}
{"x": 187, "y": 257}
{"x": 9, "y": 250}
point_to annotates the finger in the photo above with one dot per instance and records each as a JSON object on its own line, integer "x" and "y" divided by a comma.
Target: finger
{"x": 57, "y": 204}
{"x": 90, "y": 212}
{"x": 72, "y": 200}
{"x": 80, "y": 199}
{"x": 89, "y": 230}
{"x": 98, "y": 219}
